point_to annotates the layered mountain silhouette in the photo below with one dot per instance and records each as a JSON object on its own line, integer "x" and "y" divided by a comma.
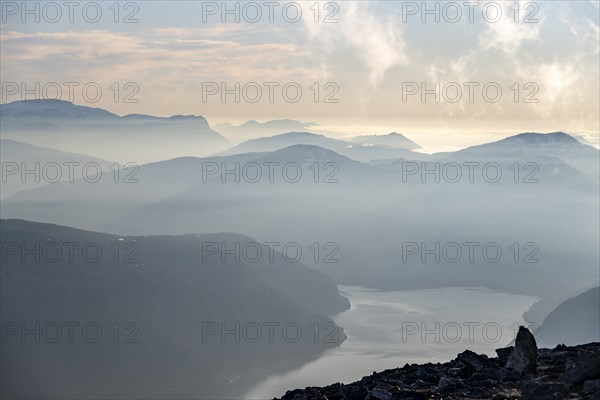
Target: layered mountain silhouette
{"x": 283, "y": 140}
{"x": 131, "y": 138}
{"x": 350, "y": 205}
{"x": 167, "y": 288}
{"x": 574, "y": 321}
{"x": 380, "y": 198}
{"x": 24, "y": 157}
{"x": 394, "y": 139}
{"x": 531, "y": 145}
{"x": 364, "y": 149}
{"x": 254, "y": 128}
{"x": 31, "y": 114}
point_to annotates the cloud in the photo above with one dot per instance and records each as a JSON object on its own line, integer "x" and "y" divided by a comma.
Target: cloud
{"x": 562, "y": 87}
{"x": 462, "y": 69}
{"x": 375, "y": 39}
{"x": 366, "y": 52}
{"x": 507, "y": 35}
{"x": 585, "y": 31}
{"x": 595, "y": 35}
{"x": 104, "y": 55}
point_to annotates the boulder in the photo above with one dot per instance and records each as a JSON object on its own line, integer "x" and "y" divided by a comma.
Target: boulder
{"x": 545, "y": 391}
{"x": 523, "y": 359}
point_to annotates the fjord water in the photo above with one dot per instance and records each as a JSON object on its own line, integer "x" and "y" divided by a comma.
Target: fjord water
{"x": 387, "y": 329}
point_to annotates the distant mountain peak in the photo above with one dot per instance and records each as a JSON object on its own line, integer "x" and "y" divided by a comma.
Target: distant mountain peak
{"x": 532, "y": 145}
{"x": 531, "y": 140}
{"x": 44, "y": 108}
{"x": 383, "y": 135}
{"x": 307, "y": 147}
{"x": 80, "y": 127}
{"x": 300, "y": 134}
{"x": 43, "y": 101}
{"x": 253, "y": 128}
{"x": 543, "y": 138}
{"x": 185, "y": 117}
{"x": 309, "y": 152}
{"x": 393, "y": 139}
{"x": 66, "y": 109}
{"x": 283, "y": 121}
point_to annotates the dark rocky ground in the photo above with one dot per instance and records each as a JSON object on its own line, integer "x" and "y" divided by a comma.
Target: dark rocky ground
{"x": 519, "y": 372}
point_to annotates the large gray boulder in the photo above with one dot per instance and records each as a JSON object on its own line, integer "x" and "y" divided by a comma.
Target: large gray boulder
{"x": 523, "y": 359}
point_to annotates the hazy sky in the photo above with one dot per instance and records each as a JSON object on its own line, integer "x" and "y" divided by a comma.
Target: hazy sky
{"x": 373, "y": 57}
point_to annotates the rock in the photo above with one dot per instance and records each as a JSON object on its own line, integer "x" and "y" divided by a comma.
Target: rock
{"x": 504, "y": 354}
{"x": 523, "y": 359}
{"x": 505, "y": 394}
{"x": 385, "y": 391}
{"x": 587, "y": 370}
{"x": 449, "y": 385}
{"x": 545, "y": 391}
{"x": 565, "y": 372}
{"x": 411, "y": 395}
{"x": 477, "y": 361}
{"x": 420, "y": 384}
{"x": 484, "y": 366}
{"x": 592, "y": 386}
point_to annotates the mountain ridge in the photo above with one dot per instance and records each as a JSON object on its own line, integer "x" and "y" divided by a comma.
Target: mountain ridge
{"x": 168, "y": 289}
{"x": 13, "y": 109}
{"x": 135, "y": 138}
{"x": 558, "y": 373}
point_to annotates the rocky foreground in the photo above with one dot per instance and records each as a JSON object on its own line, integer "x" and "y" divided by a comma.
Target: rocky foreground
{"x": 521, "y": 371}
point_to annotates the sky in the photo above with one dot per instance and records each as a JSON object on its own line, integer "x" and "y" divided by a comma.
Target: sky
{"x": 447, "y": 73}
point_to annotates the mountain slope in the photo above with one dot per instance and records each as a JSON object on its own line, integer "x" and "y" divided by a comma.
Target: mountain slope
{"x": 132, "y": 138}
{"x": 395, "y": 140}
{"x": 363, "y": 152}
{"x": 163, "y": 292}
{"x": 348, "y": 202}
{"x": 283, "y": 140}
{"x": 575, "y": 321}
{"x": 530, "y": 145}
{"x": 255, "y": 129}
{"x": 25, "y": 157}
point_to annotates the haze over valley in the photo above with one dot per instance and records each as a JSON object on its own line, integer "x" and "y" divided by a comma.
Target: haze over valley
{"x": 358, "y": 200}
